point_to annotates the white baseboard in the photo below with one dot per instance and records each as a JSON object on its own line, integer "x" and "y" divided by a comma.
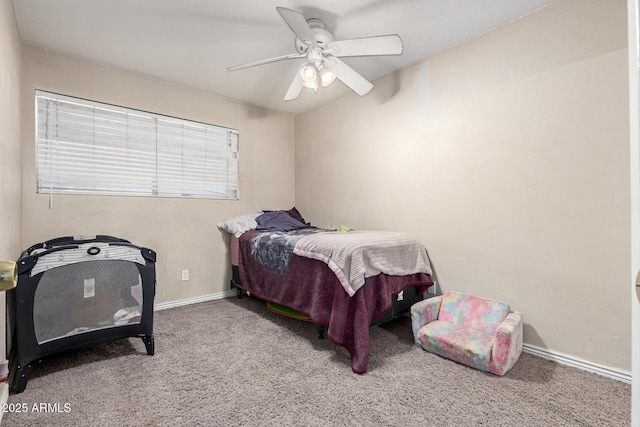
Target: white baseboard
{"x": 564, "y": 359}
{"x": 189, "y": 301}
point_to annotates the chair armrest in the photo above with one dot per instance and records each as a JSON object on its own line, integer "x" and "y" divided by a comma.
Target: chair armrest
{"x": 423, "y": 312}
{"x": 507, "y": 344}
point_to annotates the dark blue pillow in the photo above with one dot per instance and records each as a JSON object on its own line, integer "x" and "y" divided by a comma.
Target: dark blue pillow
{"x": 278, "y": 221}
{"x": 293, "y": 213}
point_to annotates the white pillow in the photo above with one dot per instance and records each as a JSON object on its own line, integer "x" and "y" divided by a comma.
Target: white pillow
{"x": 240, "y": 224}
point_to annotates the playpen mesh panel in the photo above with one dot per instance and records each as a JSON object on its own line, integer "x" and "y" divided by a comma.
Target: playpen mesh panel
{"x": 86, "y": 296}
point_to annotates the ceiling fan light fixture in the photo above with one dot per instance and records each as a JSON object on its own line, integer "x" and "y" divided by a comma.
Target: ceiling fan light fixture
{"x": 309, "y": 73}
{"x": 311, "y": 85}
{"x": 327, "y": 77}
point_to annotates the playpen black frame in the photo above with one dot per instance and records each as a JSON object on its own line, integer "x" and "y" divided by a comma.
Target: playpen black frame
{"x": 26, "y": 350}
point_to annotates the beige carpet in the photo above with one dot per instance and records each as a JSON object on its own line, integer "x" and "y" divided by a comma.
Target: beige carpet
{"x": 234, "y": 363}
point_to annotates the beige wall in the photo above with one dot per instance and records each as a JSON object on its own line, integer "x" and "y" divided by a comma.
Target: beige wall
{"x": 183, "y": 232}
{"x": 507, "y": 156}
{"x": 10, "y": 214}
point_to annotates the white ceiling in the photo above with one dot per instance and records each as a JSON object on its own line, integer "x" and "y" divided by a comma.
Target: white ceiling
{"x": 192, "y": 42}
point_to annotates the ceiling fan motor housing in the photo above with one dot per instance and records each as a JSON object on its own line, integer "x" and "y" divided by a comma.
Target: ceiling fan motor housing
{"x": 323, "y": 37}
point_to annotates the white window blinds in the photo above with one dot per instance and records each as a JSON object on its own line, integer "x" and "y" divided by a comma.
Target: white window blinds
{"x": 87, "y": 147}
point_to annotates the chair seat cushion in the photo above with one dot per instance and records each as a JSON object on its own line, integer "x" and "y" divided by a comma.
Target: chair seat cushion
{"x": 466, "y": 346}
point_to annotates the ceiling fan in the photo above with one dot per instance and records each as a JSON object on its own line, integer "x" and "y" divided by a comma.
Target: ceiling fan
{"x": 323, "y": 54}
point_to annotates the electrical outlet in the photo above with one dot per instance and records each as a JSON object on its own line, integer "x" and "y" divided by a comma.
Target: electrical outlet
{"x": 185, "y": 275}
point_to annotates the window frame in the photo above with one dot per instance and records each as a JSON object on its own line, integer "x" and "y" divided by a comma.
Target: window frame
{"x": 179, "y": 158}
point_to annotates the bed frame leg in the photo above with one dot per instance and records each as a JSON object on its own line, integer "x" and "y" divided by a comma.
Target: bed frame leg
{"x": 321, "y": 332}
{"x": 232, "y": 285}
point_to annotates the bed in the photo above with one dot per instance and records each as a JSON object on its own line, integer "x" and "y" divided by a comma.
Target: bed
{"x": 316, "y": 272}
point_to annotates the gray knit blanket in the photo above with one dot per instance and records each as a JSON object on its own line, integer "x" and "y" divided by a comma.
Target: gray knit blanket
{"x": 353, "y": 256}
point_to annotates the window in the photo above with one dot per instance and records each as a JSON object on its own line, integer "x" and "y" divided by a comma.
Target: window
{"x": 86, "y": 147}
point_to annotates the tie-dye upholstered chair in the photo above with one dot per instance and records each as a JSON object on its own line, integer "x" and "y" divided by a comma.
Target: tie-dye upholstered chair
{"x": 478, "y": 332}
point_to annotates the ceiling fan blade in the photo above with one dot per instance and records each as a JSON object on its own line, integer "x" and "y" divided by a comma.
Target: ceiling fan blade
{"x": 297, "y": 23}
{"x": 368, "y": 46}
{"x": 295, "y": 88}
{"x": 266, "y": 61}
{"x": 351, "y": 77}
